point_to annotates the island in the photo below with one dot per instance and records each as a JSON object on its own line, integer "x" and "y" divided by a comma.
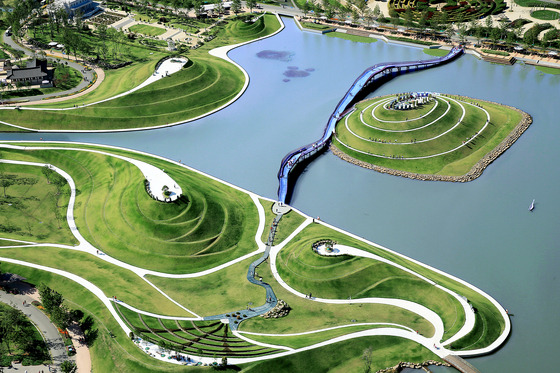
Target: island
{"x": 427, "y": 135}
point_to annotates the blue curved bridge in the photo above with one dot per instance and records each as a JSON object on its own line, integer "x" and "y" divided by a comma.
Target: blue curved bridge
{"x": 369, "y": 76}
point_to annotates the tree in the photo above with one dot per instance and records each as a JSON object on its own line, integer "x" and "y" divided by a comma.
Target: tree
{"x": 50, "y": 299}
{"x": 47, "y": 171}
{"x": 236, "y": 6}
{"x": 6, "y": 183}
{"x": 408, "y": 17}
{"x": 367, "y": 358}
{"x": 306, "y": 7}
{"x": 376, "y": 11}
{"x": 368, "y": 17}
{"x": 252, "y": 3}
{"x": 68, "y": 366}
{"x": 355, "y": 17}
{"x": 488, "y": 25}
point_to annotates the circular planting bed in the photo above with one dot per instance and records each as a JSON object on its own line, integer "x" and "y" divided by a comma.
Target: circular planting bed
{"x": 545, "y": 15}
{"x": 428, "y": 136}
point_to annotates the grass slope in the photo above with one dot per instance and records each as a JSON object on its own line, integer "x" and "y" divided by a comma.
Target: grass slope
{"x": 223, "y": 291}
{"x": 347, "y": 356}
{"x": 502, "y": 121}
{"x": 345, "y": 277}
{"x": 287, "y": 225}
{"x": 214, "y": 225}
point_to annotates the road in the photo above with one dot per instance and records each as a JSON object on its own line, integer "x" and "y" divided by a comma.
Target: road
{"x": 48, "y": 330}
{"x": 88, "y": 75}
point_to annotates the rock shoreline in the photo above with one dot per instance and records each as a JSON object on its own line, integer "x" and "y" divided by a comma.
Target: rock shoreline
{"x": 402, "y": 365}
{"x": 474, "y": 172}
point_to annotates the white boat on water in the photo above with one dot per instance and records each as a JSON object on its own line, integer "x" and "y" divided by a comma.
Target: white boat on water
{"x": 532, "y": 207}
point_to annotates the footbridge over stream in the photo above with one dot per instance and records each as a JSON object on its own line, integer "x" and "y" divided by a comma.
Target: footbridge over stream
{"x": 368, "y": 77}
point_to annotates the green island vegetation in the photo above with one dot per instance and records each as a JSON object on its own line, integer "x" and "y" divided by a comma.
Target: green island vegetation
{"x": 205, "y": 84}
{"x": 211, "y": 225}
{"x": 436, "y": 52}
{"x": 20, "y": 339}
{"x": 147, "y": 30}
{"x": 427, "y": 139}
{"x": 356, "y": 38}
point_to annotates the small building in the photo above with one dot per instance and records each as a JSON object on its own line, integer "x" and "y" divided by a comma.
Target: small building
{"x": 36, "y": 72}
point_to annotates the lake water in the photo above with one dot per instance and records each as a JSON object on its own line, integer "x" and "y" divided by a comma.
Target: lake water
{"x": 480, "y": 231}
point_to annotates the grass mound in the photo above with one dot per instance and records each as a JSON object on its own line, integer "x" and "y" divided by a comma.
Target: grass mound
{"x": 207, "y": 84}
{"x": 349, "y": 277}
{"x": 211, "y": 224}
{"x": 445, "y": 137}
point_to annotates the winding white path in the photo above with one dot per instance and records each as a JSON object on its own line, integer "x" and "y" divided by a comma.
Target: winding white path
{"x": 429, "y": 315}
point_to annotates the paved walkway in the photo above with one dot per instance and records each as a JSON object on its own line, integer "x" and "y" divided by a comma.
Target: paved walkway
{"x": 432, "y": 343}
{"x": 50, "y": 333}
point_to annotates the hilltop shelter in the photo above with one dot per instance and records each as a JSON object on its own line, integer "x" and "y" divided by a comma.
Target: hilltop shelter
{"x": 87, "y": 7}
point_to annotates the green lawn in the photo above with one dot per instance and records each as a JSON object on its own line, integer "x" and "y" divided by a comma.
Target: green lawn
{"x": 123, "y": 355}
{"x": 356, "y": 38}
{"x": 545, "y": 15}
{"x": 487, "y": 312}
{"x": 212, "y": 225}
{"x": 345, "y": 277}
{"x": 316, "y": 26}
{"x": 344, "y": 357}
{"x": 33, "y": 212}
{"x": 299, "y": 341}
{"x": 306, "y": 315}
{"x": 287, "y": 225}
{"x": 223, "y": 291}
{"x": 442, "y": 135}
{"x": 113, "y": 280}
{"x": 147, "y": 30}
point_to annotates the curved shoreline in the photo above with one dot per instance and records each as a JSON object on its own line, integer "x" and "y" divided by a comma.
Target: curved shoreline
{"x": 476, "y": 170}
{"x": 219, "y": 52}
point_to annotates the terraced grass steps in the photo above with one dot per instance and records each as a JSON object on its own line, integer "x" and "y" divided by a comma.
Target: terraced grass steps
{"x": 211, "y": 225}
{"x": 451, "y": 138}
{"x": 348, "y": 277}
{"x": 202, "y": 338}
